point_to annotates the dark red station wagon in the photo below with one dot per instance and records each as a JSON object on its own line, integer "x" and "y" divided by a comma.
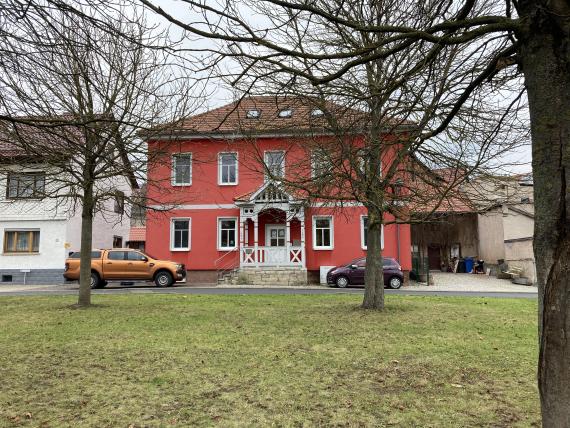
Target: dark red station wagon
{"x": 353, "y": 273}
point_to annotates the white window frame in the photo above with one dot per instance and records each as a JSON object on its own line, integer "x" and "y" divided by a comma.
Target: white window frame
{"x": 219, "y": 233}
{"x": 362, "y": 244}
{"x": 331, "y": 220}
{"x": 172, "y": 220}
{"x": 265, "y": 153}
{"x": 173, "y": 168}
{"x": 234, "y": 183}
{"x": 314, "y": 164}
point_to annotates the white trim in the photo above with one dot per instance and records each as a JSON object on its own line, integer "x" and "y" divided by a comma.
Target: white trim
{"x": 231, "y": 206}
{"x": 313, "y": 163}
{"x": 173, "y": 169}
{"x": 265, "y": 162}
{"x": 314, "y": 221}
{"x": 267, "y": 238}
{"x": 365, "y": 247}
{"x": 220, "y": 183}
{"x": 194, "y": 207}
{"x": 172, "y": 219}
{"x": 219, "y": 240}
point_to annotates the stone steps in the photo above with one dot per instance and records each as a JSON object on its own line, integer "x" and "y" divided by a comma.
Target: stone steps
{"x": 265, "y": 276}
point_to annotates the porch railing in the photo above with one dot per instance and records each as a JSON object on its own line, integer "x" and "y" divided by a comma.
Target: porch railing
{"x": 289, "y": 255}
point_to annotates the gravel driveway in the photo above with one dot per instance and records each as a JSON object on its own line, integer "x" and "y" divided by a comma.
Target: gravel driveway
{"x": 444, "y": 281}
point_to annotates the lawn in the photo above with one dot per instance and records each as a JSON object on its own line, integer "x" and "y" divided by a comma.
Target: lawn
{"x": 176, "y": 360}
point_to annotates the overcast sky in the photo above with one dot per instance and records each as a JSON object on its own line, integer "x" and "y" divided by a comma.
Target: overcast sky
{"x": 519, "y": 161}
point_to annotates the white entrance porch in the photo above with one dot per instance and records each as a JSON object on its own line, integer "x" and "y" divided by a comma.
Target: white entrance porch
{"x": 277, "y": 214}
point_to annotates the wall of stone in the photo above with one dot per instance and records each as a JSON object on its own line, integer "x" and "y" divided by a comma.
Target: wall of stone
{"x": 270, "y": 276}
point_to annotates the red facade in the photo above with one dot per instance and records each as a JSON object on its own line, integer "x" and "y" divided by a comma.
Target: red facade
{"x": 224, "y": 214}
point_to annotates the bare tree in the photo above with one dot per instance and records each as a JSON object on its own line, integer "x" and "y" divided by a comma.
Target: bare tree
{"x": 74, "y": 97}
{"x": 380, "y": 114}
{"x": 532, "y": 35}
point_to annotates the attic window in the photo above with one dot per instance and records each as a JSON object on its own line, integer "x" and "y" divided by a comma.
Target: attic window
{"x": 253, "y": 114}
{"x": 317, "y": 112}
{"x": 285, "y": 113}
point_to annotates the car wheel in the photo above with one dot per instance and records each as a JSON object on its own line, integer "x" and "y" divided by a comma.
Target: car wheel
{"x": 95, "y": 280}
{"x": 342, "y": 282}
{"x": 395, "y": 282}
{"x": 163, "y": 279}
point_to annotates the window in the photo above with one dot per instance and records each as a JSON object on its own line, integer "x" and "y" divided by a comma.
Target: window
{"x": 320, "y": 163}
{"x": 182, "y": 169}
{"x": 116, "y": 255}
{"x": 364, "y": 233}
{"x": 77, "y": 255}
{"x": 322, "y": 233}
{"x": 253, "y": 114}
{"x": 28, "y": 185}
{"x": 364, "y": 157}
{"x": 227, "y": 233}
{"x": 180, "y": 234}
{"x": 227, "y": 168}
{"x": 119, "y": 206}
{"x": 135, "y": 256}
{"x": 22, "y": 241}
{"x": 117, "y": 241}
{"x": 275, "y": 163}
{"x": 285, "y": 113}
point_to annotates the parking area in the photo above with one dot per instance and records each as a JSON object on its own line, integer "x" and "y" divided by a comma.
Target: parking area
{"x": 447, "y": 281}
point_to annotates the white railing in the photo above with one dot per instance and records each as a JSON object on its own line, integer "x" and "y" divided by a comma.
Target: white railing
{"x": 272, "y": 256}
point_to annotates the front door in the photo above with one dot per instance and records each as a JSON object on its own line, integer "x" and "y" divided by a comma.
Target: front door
{"x": 275, "y": 236}
{"x": 275, "y": 251}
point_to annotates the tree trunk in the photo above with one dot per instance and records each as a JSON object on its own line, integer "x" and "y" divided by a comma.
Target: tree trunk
{"x": 374, "y": 276}
{"x": 544, "y": 58}
{"x": 86, "y": 243}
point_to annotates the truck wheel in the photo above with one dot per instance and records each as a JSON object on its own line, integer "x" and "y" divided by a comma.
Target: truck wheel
{"x": 95, "y": 280}
{"x": 163, "y": 279}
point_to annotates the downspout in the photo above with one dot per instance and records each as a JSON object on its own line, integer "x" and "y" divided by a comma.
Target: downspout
{"x": 398, "y": 241}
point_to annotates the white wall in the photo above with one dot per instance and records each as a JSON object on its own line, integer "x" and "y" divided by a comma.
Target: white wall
{"x": 60, "y": 227}
{"x": 491, "y": 236}
{"x": 52, "y": 252}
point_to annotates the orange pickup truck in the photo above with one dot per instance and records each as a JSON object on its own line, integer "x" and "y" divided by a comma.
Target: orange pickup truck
{"x": 125, "y": 264}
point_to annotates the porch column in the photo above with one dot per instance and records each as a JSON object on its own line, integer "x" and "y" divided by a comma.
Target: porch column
{"x": 240, "y": 246}
{"x": 287, "y": 239}
{"x": 303, "y": 252}
{"x": 255, "y": 239}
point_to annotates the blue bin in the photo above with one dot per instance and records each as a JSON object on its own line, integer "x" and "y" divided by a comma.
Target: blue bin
{"x": 468, "y": 264}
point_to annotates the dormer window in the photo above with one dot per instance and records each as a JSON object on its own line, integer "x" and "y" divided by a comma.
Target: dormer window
{"x": 317, "y": 112}
{"x": 285, "y": 113}
{"x": 253, "y": 114}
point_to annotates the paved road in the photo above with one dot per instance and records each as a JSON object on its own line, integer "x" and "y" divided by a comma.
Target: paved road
{"x": 263, "y": 291}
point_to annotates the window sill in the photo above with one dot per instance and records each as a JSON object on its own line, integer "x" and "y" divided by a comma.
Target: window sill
{"x": 181, "y": 185}
{"x": 21, "y": 254}
{"x": 227, "y": 184}
{"x": 227, "y": 249}
{"x": 179, "y": 249}
{"x": 323, "y": 248}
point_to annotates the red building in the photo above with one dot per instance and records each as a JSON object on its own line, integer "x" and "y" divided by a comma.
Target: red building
{"x": 224, "y": 214}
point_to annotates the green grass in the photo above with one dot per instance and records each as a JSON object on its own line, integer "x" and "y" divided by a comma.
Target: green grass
{"x": 172, "y": 360}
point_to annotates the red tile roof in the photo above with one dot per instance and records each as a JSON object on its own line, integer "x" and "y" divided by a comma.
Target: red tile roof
{"x": 137, "y": 234}
{"x": 233, "y": 117}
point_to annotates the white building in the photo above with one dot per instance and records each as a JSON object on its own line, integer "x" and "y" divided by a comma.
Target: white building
{"x": 37, "y": 234}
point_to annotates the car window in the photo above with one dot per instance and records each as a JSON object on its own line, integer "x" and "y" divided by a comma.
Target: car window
{"x": 361, "y": 263}
{"x": 77, "y": 255}
{"x": 135, "y": 256}
{"x": 116, "y": 255}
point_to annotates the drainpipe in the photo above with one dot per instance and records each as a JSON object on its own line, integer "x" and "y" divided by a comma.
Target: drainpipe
{"x": 398, "y": 241}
